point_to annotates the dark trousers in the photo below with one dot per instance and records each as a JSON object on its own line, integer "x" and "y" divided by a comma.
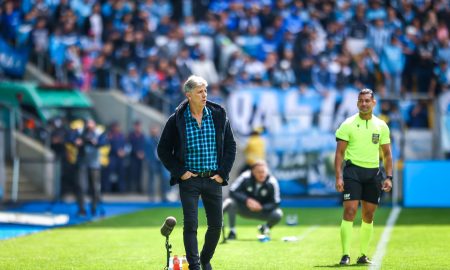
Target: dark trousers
{"x": 117, "y": 167}
{"x": 233, "y": 208}
{"x": 211, "y": 193}
{"x": 157, "y": 171}
{"x": 135, "y": 170}
{"x": 92, "y": 175}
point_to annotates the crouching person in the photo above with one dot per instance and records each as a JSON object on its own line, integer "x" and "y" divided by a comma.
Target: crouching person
{"x": 255, "y": 194}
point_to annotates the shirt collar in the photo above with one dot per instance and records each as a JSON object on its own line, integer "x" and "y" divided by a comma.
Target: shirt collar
{"x": 206, "y": 112}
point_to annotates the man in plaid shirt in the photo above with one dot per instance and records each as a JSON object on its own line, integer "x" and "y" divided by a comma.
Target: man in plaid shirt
{"x": 198, "y": 148}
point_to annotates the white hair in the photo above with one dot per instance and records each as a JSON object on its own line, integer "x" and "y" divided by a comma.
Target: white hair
{"x": 193, "y": 82}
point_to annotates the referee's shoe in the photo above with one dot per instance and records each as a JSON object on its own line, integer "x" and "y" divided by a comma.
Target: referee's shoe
{"x": 345, "y": 260}
{"x": 363, "y": 260}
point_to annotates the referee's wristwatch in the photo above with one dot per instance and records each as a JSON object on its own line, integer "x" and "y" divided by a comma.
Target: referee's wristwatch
{"x": 389, "y": 177}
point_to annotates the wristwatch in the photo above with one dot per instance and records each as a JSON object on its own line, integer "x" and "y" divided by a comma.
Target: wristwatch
{"x": 389, "y": 177}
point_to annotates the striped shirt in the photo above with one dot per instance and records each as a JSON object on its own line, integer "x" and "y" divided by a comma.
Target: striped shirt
{"x": 201, "y": 150}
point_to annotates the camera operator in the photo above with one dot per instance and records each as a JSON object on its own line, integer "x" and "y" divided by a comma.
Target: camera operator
{"x": 87, "y": 141}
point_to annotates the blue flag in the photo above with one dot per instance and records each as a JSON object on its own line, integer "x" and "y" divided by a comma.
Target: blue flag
{"x": 12, "y": 61}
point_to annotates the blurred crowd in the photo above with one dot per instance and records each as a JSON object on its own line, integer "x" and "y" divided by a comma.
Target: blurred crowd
{"x": 151, "y": 46}
{"x": 108, "y": 160}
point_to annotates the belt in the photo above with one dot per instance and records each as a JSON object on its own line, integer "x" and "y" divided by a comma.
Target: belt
{"x": 205, "y": 174}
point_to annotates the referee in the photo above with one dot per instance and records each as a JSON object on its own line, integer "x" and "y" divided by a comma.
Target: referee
{"x": 359, "y": 139}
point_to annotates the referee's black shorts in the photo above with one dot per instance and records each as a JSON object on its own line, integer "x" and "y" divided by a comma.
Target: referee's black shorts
{"x": 362, "y": 183}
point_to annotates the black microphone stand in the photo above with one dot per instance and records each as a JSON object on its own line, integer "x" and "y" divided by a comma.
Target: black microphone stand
{"x": 224, "y": 239}
{"x": 168, "y": 247}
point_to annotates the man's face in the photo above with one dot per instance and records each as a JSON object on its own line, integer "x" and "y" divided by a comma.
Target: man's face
{"x": 260, "y": 173}
{"x": 198, "y": 96}
{"x": 90, "y": 124}
{"x": 138, "y": 127}
{"x": 366, "y": 103}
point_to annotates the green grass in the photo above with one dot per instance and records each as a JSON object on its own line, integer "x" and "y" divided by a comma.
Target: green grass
{"x": 419, "y": 241}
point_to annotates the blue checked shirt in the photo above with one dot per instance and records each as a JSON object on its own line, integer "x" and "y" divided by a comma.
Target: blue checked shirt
{"x": 201, "y": 151}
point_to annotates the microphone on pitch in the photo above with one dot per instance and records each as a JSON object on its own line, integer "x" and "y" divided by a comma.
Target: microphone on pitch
{"x": 167, "y": 227}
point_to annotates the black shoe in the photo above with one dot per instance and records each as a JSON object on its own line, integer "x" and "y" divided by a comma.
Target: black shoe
{"x": 264, "y": 229}
{"x": 231, "y": 236}
{"x": 345, "y": 260}
{"x": 207, "y": 266}
{"x": 363, "y": 260}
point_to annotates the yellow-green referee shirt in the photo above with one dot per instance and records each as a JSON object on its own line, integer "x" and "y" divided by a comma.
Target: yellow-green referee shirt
{"x": 364, "y": 138}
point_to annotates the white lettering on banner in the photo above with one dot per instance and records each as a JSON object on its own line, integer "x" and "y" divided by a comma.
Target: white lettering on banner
{"x": 299, "y": 133}
{"x": 291, "y": 160}
{"x": 444, "y": 102}
{"x": 306, "y": 142}
{"x": 327, "y": 111}
{"x": 348, "y": 107}
{"x": 9, "y": 61}
{"x": 290, "y": 174}
{"x": 288, "y": 111}
{"x": 268, "y": 107}
{"x": 240, "y": 111}
{"x": 302, "y": 113}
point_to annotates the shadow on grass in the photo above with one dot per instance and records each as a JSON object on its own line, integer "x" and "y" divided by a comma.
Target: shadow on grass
{"x": 424, "y": 216}
{"x": 336, "y": 265}
{"x": 307, "y": 217}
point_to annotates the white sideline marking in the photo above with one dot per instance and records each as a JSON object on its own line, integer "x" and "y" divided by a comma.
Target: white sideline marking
{"x": 301, "y": 236}
{"x": 33, "y": 219}
{"x": 382, "y": 244}
{"x": 308, "y": 231}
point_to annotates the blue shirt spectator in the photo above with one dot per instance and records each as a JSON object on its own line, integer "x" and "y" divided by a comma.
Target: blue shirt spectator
{"x": 131, "y": 84}
{"x": 392, "y": 58}
{"x": 10, "y": 20}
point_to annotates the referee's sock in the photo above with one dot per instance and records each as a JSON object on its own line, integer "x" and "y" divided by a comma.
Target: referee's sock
{"x": 365, "y": 236}
{"x": 346, "y": 236}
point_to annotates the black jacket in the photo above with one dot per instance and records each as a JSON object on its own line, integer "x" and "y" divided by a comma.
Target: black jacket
{"x": 172, "y": 144}
{"x": 268, "y": 195}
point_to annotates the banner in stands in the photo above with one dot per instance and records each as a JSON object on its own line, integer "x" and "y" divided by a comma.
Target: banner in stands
{"x": 299, "y": 131}
{"x": 12, "y": 61}
{"x": 444, "y": 107}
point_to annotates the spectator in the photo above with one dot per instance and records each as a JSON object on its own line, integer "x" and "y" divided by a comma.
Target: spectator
{"x": 116, "y": 170}
{"x": 255, "y": 149}
{"x": 92, "y": 139}
{"x": 136, "y": 140}
{"x": 215, "y": 95}
{"x": 10, "y": 20}
{"x": 441, "y": 79}
{"x": 251, "y": 43}
{"x": 157, "y": 173}
{"x": 321, "y": 77}
{"x": 150, "y": 83}
{"x": 74, "y": 66}
{"x": 93, "y": 24}
{"x": 184, "y": 63}
{"x": 284, "y": 76}
{"x": 425, "y": 53}
{"x": 255, "y": 69}
{"x": 392, "y": 62}
{"x": 378, "y": 36}
{"x": 205, "y": 68}
{"x": 57, "y": 139}
{"x": 40, "y": 41}
{"x": 101, "y": 73}
{"x": 418, "y": 115}
{"x": 443, "y": 50}
{"x": 393, "y": 22}
{"x": 409, "y": 40}
{"x": 131, "y": 84}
